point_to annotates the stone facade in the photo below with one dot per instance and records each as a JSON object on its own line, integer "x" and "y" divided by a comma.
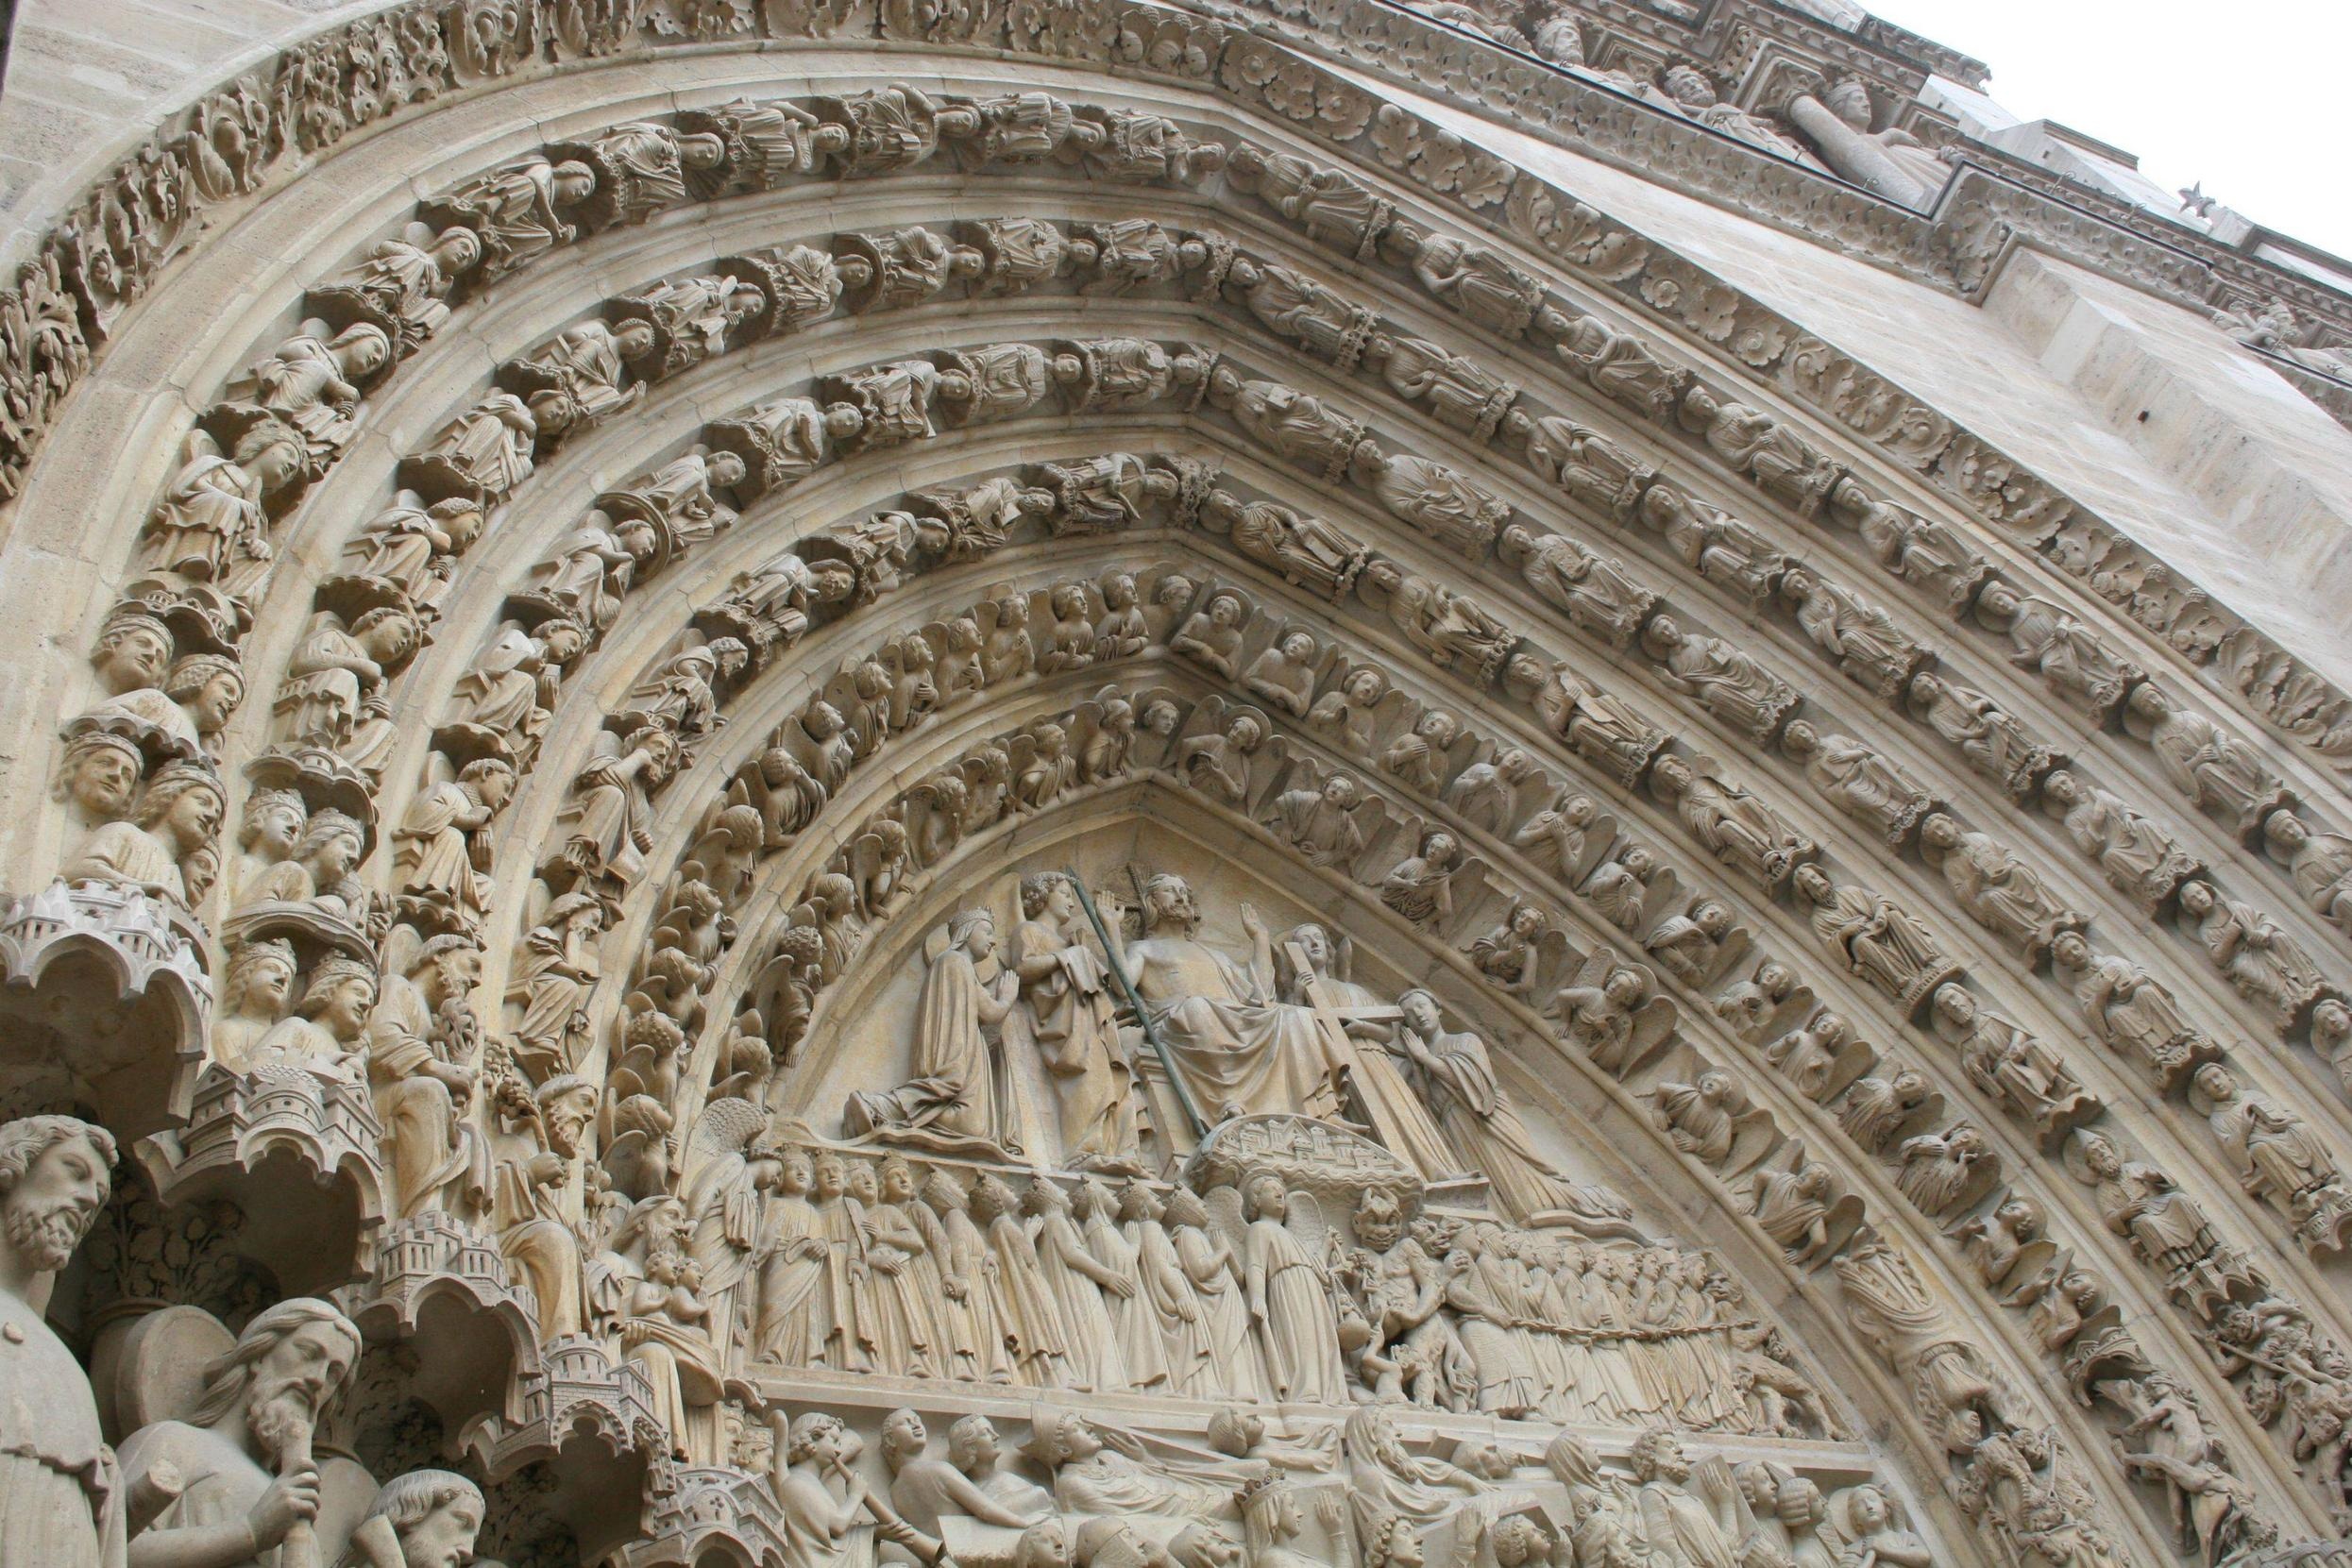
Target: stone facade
{"x": 1148, "y": 782}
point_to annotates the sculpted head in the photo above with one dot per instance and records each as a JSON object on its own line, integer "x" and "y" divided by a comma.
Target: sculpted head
{"x": 1849, "y": 100}
{"x": 209, "y": 686}
{"x": 1420, "y": 1011}
{"x": 134, "y": 650}
{"x": 1267, "y": 1199}
{"x": 261, "y": 979}
{"x": 2217, "y": 1084}
{"x": 184, "y": 803}
{"x": 340, "y": 995}
{"x": 903, "y": 1438}
{"x": 1379, "y": 1220}
{"x": 816, "y": 1440}
{"x": 100, "y": 775}
{"x": 1047, "y": 894}
{"x": 432, "y": 1515}
{"x": 56, "y": 1172}
{"x": 1185, "y": 1208}
{"x": 567, "y": 1102}
{"x": 1518, "y": 1540}
{"x": 1168, "y": 900}
{"x": 1657, "y": 1456}
{"x": 288, "y": 1365}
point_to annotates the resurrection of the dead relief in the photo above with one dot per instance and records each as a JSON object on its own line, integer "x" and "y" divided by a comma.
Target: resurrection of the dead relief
{"x": 1397, "y": 913}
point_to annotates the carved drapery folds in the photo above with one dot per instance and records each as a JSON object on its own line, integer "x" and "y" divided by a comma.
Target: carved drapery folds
{"x": 721, "y": 1066}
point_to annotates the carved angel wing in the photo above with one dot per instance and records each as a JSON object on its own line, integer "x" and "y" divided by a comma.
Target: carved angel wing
{"x": 1306, "y": 1222}
{"x": 1228, "y": 1217}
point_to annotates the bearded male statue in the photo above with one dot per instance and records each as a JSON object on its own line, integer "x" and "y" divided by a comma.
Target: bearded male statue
{"x": 60, "y": 1501}
{"x": 242, "y": 1458}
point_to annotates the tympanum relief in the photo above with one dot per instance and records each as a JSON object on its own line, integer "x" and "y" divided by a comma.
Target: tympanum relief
{"x": 875, "y": 1068}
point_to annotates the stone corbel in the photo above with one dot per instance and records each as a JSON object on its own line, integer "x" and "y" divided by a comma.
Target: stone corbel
{"x": 107, "y": 997}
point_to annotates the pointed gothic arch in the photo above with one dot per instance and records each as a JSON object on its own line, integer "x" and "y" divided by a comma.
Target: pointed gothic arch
{"x": 554, "y": 1209}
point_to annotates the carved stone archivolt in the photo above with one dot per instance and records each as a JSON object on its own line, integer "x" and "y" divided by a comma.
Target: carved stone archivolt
{"x": 1110, "y": 823}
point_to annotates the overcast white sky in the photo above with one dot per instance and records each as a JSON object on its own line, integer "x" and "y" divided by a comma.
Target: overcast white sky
{"x": 2246, "y": 95}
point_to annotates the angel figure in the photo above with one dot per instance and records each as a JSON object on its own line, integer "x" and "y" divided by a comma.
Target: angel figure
{"x": 1122, "y": 632}
{"x": 1417, "y": 759}
{"x": 1802, "y": 1208}
{"x": 1705, "y": 1119}
{"x": 1070, "y": 632}
{"x": 1508, "y": 954}
{"x": 1217, "y": 762}
{"x": 1212, "y": 635}
{"x": 1877, "y": 1110}
{"x": 1938, "y": 1171}
{"x": 1290, "y": 1300}
{"x": 1321, "y": 818}
{"x": 1234, "y": 1368}
{"x": 1619, "y": 888}
{"x": 1750, "y": 1006}
{"x": 1284, "y": 674}
{"x": 1420, "y": 887}
{"x": 1007, "y": 651}
{"x": 1556, "y": 838}
{"x": 1821, "y": 1058}
{"x": 1486, "y": 795}
{"x": 1690, "y": 947}
{"x": 1612, "y": 1013}
{"x": 1349, "y": 714}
